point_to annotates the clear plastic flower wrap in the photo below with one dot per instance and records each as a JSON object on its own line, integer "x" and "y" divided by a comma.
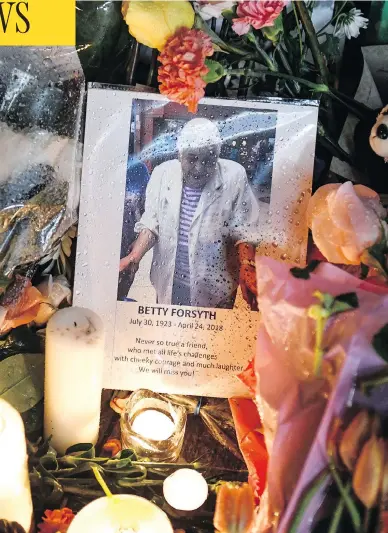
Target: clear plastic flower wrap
{"x": 41, "y": 100}
{"x": 298, "y": 399}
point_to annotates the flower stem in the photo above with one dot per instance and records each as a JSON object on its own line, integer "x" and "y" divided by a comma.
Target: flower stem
{"x": 320, "y": 324}
{"x": 372, "y": 382}
{"x": 317, "y": 87}
{"x": 321, "y": 31}
{"x": 359, "y": 110}
{"x": 348, "y": 501}
{"x": 284, "y": 59}
{"x": 338, "y": 513}
{"x": 263, "y": 54}
{"x": 319, "y": 58}
{"x": 101, "y": 481}
{"x": 172, "y": 466}
{"x": 316, "y": 485}
{"x": 366, "y": 520}
{"x": 299, "y": 32}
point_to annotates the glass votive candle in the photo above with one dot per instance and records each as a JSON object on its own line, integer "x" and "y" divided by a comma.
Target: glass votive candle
{"x": 153, "y": 427}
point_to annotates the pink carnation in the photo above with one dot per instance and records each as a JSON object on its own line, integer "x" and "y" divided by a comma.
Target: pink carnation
{"x": 256, "y": 13}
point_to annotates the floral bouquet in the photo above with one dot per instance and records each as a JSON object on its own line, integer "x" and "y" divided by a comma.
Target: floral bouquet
{"x": 319, "y": 381}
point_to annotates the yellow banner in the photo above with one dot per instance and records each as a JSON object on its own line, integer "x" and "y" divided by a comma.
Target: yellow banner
{"x": 37, "y": 23}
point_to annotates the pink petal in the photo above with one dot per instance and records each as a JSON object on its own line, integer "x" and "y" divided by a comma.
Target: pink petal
{"x": 240, "y": 26}
{"x": 317, "y": 202}
{"x": 350, "y": 214}
{"x": 321, "y": 228}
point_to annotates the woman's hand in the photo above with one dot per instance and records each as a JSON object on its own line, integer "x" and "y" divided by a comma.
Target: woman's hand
{"x": 248, "y": 285}
{"x": 246, "y": 254}
{"x": 128, "y": 261}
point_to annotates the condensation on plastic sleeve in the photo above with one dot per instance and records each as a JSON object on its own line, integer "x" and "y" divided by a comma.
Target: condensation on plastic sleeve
{"x": 41, "y": 101}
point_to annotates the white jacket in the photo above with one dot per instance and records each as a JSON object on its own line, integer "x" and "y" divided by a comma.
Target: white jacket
{"x": 227, "y": 213}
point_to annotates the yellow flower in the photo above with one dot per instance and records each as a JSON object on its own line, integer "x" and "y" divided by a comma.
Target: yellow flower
{"x": 153, "y": 22}
{"x": 354, "y": 438}
{"x": 234, "y": 508}
{"x": 368, "y": 473}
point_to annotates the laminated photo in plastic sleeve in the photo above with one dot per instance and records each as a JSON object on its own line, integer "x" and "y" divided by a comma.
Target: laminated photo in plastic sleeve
{"x": 175, "y": 207}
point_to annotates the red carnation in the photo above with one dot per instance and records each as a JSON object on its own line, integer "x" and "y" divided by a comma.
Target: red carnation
{"x": 183, "y": 67}
{"x": 256, "y": 13}
{"x": 57, "y": 521}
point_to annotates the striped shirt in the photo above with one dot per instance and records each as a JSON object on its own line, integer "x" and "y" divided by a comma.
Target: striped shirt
{"x": 189, "y": 202}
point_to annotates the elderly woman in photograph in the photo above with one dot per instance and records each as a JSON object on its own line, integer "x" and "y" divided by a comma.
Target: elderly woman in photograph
{"x": 201, "y": 219}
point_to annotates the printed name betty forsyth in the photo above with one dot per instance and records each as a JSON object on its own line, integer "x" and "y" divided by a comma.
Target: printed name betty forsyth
{"x": 187, "y": 313}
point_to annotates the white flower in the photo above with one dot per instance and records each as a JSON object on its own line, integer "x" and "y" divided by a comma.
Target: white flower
{"x": 212, "y": 8}
{"x": 349, "y": 24}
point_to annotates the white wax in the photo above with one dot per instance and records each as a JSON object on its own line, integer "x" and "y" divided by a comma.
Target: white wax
{"x": 121, "y": 513}
{"x": 15, "y": 494}
{"x": 73, "y": 377}
{"x": 185, "y": 489}
{"x": 154, "y": 425}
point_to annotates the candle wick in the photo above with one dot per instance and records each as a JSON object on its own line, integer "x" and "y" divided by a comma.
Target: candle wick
{"x": 89, "y": 329}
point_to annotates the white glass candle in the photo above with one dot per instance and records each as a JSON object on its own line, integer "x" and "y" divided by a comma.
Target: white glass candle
{"x": 153, "y": 425}
{"x": 73, "y": 377}
{"x": 185, "y": 489}
{"x": 15, "y": 494}
{"x": 121, "y": 513}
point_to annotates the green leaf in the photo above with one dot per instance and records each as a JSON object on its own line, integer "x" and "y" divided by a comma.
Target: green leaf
{"x": 229, "y": 14}
{"x": 216, "y": 71}
{"x": 319, "y": 482}
{"x": 85, "y": 450}
{"x": 327, "y": 301}
{"x": 380, "y": 342}
{"x": 216, "y": 48}
{"x": 375, "y": 256}
{"x": 364, "y": 271}
{"x": 304, "y": 273}
{"x": 272, "y": 32}
{"x": 344, "y": 302}
{"x": 330, "y": 47}
{"x": 22, "y": 380}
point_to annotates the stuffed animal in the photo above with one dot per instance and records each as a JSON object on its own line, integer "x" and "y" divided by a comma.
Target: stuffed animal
{"x": 379, "y": 134}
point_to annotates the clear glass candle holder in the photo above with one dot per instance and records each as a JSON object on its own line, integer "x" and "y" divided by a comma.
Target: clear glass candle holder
{"x": 153, "y": 427}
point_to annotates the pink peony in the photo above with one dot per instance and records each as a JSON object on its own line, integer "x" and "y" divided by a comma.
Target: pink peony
{"x": 256, "y": 13}
{"x": 345, "y": 220}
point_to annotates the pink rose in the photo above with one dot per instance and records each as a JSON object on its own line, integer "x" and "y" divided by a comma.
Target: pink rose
{"x": 256, "y": 13}
{"x": 345, "y": 220}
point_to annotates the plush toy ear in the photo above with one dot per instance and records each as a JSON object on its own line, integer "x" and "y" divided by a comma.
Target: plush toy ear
{"x": 371, "y": 167}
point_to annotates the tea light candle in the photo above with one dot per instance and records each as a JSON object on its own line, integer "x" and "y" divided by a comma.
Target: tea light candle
{"x": 73, "y": 377}
{"x": 15, "y": 494}
{"x": 121, "y": 513}
{"x": 185, "y": 489}
{"x": 153, "y": 425}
